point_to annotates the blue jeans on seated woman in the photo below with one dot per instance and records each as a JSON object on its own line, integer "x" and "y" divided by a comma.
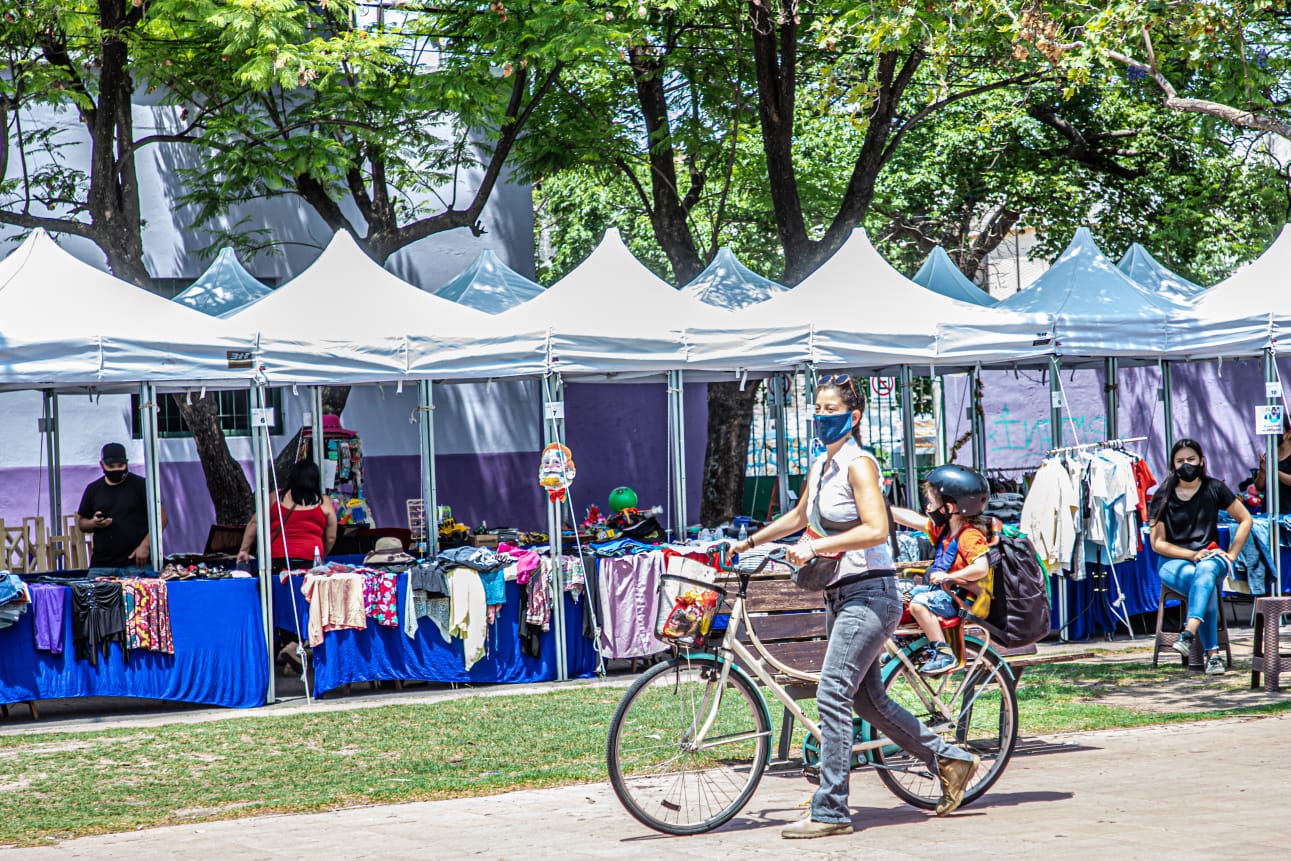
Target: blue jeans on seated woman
{"x": 1199, "y": 583}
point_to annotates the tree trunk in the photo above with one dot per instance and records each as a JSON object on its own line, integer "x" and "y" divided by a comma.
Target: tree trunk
{"x": 730, "y": 418}
{"x": 334, "y": 399}
{"x": 225, "y": 481}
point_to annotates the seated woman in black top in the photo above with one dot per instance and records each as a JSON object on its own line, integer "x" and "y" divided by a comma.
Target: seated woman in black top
{"x": 1185, "y": 533}
{"x": 1284, "y": 472}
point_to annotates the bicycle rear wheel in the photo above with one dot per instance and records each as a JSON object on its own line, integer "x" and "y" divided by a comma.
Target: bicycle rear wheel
{"x": 660, "y": 774}
{"x": 979, "y": 713}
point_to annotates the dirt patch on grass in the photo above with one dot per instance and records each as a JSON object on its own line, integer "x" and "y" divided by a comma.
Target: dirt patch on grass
{"x": 1187, "y": 692}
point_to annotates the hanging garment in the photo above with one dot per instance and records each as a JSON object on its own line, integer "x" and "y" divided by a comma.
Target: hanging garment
{"x": 538, "y": 606}
{"x": 468, "y": 617}
{"x": 380, "y": 598}
{"x": 1049, "y": 515}
{"x": 147, "y": 609}
{"x": 98, "y": 619}
{"x": 629, "y": 590}
{"x": 47, "y": 612}
{"x": 1112, "y": 529}
{"x": 335, "y": 603}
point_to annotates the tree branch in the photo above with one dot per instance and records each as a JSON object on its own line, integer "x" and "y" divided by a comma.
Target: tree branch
{"x": 53, "y": 225}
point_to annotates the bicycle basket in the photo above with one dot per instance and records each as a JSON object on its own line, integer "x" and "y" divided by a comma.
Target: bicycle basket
{"x": 686, "y": 610}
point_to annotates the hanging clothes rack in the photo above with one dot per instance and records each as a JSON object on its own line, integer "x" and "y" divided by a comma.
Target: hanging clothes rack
{"x": 1107, "y": 443}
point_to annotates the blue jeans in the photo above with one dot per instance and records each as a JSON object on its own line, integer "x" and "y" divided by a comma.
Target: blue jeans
{"x": 861, "y": 618}
{"x": 1199, "y": 583}
{"x": 126, "y": 571}
{"x": 936, "y": 599}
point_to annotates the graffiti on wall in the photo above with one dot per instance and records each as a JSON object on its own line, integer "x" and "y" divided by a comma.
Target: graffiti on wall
{"x": 1032, "y": 435}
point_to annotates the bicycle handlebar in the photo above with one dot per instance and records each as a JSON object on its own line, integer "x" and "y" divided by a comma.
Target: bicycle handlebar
{"x": 751, "y": 562}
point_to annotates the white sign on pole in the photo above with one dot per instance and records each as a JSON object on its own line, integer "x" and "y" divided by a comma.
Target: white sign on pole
{"x": 1273, "y": 391}
{"x": 1268, "y": 419}
{"x": 262, "y": 417}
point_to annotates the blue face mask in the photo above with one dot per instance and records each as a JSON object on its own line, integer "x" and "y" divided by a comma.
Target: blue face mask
{"x": 830, "y": 429}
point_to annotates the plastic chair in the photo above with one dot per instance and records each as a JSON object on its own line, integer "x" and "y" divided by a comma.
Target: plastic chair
{"x": 1165, "y": 640}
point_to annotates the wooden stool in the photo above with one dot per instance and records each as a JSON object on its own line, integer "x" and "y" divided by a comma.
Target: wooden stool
{"x": 1266, "y": 654}
{"x": 1196, "y": 660}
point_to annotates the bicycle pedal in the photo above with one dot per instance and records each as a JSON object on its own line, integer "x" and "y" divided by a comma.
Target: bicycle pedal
{"x": 812, "y": 774}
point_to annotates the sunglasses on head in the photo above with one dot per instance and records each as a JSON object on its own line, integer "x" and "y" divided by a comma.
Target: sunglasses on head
{"x": 838, "y": 380}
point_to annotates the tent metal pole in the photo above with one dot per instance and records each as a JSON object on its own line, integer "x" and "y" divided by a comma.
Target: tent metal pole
{"x": 778, "y": 391}
{"x": 148, "y": 418}
{"x": 939, "y": 418}
{"x": 426, "y": 441}
{"x": 54, "y": 464}
{"x": 1167, "y": 399}
{"x": 553, "y": 408}
{"x": 319, "y": 447}
{"x": 1273, "y": 397}
{"x": 1055, "y": 402}
{"x": 911, "y": 478}
{"x": 677, "y": 439}
{"x": 1055, "y": 426}
{"x": 263, "y": 551}
{"x": 977, "y": 419}
{"x": 1111, "y": 398}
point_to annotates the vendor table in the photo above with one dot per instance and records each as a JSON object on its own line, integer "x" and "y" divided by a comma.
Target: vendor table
{"x": 219, "y": 655}
{"x": 1090, "y": 601}
{"x": 377, "y": 653}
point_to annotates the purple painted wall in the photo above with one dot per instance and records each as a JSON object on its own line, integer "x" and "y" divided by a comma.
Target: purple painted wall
{"x": 1214, "y": 403}
{"x": 619, "y": 436}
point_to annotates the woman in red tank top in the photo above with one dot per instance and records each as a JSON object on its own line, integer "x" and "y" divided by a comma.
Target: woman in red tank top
{"x": 301, "y": 521}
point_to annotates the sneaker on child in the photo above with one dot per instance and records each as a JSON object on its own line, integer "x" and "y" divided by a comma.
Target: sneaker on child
{"x": 942, "y": 661}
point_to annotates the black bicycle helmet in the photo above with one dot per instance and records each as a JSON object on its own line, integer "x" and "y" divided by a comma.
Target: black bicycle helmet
{"x": 963, "y": 486}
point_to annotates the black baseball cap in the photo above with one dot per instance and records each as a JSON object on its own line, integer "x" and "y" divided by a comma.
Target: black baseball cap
{"x": 114, "y": 452}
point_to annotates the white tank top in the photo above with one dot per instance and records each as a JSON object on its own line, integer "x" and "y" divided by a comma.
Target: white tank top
{"x": 838, "y": 503}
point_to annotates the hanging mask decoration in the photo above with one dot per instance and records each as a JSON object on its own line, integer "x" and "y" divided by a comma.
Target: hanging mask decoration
{"x": 556, "y": 471}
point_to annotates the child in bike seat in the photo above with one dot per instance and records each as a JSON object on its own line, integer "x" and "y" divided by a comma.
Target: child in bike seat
{"x": 956, "y": 497}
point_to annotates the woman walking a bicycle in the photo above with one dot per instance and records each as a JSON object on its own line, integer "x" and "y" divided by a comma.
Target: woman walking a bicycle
{"x": 863, "y": 608}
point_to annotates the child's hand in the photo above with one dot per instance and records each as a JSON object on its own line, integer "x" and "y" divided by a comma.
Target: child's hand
{"x": 938, "y": 577}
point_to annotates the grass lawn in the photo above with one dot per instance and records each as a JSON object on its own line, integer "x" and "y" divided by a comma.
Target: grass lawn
{"x": 56, "y": 786}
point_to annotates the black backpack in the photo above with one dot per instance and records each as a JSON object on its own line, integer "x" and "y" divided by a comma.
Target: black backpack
{"x": 1019, "y": 614}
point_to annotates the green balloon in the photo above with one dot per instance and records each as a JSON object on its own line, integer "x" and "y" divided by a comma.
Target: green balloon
{"x": 621, "y": 498}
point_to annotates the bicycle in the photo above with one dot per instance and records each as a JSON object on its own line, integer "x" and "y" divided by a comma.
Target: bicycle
{"x": 691, "y": 738}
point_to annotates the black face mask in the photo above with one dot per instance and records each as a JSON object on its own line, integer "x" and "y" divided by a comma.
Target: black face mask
{"x": 939, "y": 518}
{"x": 116, "y": 476}
{"x": 1188, "y": 471}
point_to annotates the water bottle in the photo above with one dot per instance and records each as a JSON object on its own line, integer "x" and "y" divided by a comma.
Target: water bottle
{"x": 744, "y": 532}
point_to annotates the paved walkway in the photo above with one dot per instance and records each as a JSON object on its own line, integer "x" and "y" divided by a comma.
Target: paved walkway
{"x": 1185, "y": 791}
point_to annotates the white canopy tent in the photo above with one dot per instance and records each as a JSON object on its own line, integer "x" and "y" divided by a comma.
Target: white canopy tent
{"x": 856, "y": 311}
{"x": 728, "y": 283}
{"x": 1098, "y": 310}
{"x": 613, "y": 316}
{"x": 489, "y": 285}
{"x": 368, "y": 325}
{"x": 65, "y": 324}
{"x": 1141, "y": 266}
{"x": 1242, "y": 315}
{"x": 224, "y": 288}
{"x": 940, "y": 275}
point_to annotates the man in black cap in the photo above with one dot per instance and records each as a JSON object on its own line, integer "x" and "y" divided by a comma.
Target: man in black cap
{"x": 115, "y": 510}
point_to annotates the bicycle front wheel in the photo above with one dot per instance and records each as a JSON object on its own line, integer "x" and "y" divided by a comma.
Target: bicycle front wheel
{"x": 974, "y": 707}
{"x": 667, "y": 777}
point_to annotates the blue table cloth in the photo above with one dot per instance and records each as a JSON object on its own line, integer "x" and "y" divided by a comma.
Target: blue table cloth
{"x": 219, "y": 659}
{"x": 1090, "y": 602}
{"x": 378, "y": 653}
